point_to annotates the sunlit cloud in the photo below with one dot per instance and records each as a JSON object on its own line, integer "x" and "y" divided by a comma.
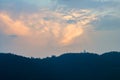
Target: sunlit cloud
{"x": 46, "y": 27}
{"x": 54, "y": 24}
{"x": 13, "y": 27}
{"x": 71, "y": 32}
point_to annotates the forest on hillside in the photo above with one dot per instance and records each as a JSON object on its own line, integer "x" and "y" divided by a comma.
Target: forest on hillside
{"x": 69, "y": 66}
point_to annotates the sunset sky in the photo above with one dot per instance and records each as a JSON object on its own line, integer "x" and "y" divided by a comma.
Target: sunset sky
{"x": 42, "y": 28}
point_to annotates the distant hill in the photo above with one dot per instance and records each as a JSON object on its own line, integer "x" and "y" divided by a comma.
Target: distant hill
{"x": 70, "y": 66}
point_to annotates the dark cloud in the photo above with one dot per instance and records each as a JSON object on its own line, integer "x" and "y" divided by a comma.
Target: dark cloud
{"x": 108, "y": 23}
{"x": 84, "y": 3}
{"x": 17, "y": 6}
{"x": 103, "y": 7}
{"x": 13, "y": 36}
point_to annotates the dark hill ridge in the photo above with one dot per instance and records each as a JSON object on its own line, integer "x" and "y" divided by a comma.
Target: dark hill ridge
{"x": 70, "y": 66}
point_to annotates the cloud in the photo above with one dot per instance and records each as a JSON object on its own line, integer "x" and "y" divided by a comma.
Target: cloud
{"x": 80, "y": 3}
{"x": 17, "y": 6}
{"x": 71, "y": 32}
{"x": 88, "y": 4}
{"x": 55, "y": 26}
{"x": 45, "y": 28}
{"x": 13, "y": 27}
{"x": 108, "y": 23}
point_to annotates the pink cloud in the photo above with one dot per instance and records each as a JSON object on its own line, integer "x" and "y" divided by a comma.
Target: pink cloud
{"x": 35, "y": 31}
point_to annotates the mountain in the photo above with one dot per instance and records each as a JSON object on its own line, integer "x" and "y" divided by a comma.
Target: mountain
{"x": 69, "y": 66}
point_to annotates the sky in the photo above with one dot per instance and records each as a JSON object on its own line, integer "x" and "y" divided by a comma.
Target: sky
{"x": 41, "y": 28}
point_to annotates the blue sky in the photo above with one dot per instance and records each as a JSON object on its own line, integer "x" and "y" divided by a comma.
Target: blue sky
{"x": 41, "y": 28}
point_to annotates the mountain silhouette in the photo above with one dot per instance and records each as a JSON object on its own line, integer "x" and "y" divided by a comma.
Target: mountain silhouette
{"x": 69, "y": 66}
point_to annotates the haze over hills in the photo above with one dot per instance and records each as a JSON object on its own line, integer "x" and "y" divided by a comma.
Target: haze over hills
{"x": 70, "y": 66}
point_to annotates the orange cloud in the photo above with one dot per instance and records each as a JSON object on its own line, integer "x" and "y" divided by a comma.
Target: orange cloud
{"x": 16, "y": 27}
{"x": 70, "y": 33}
{"x": 48, "y": 25}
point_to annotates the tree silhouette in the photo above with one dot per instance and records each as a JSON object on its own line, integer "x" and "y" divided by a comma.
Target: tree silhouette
{"x": 70, "y": 66}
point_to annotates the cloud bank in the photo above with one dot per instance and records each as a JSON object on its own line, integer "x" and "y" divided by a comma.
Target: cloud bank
{"x": 57, "y": 26}
{"x": 54, "y": 24}
{"x": 38, "y": 29}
